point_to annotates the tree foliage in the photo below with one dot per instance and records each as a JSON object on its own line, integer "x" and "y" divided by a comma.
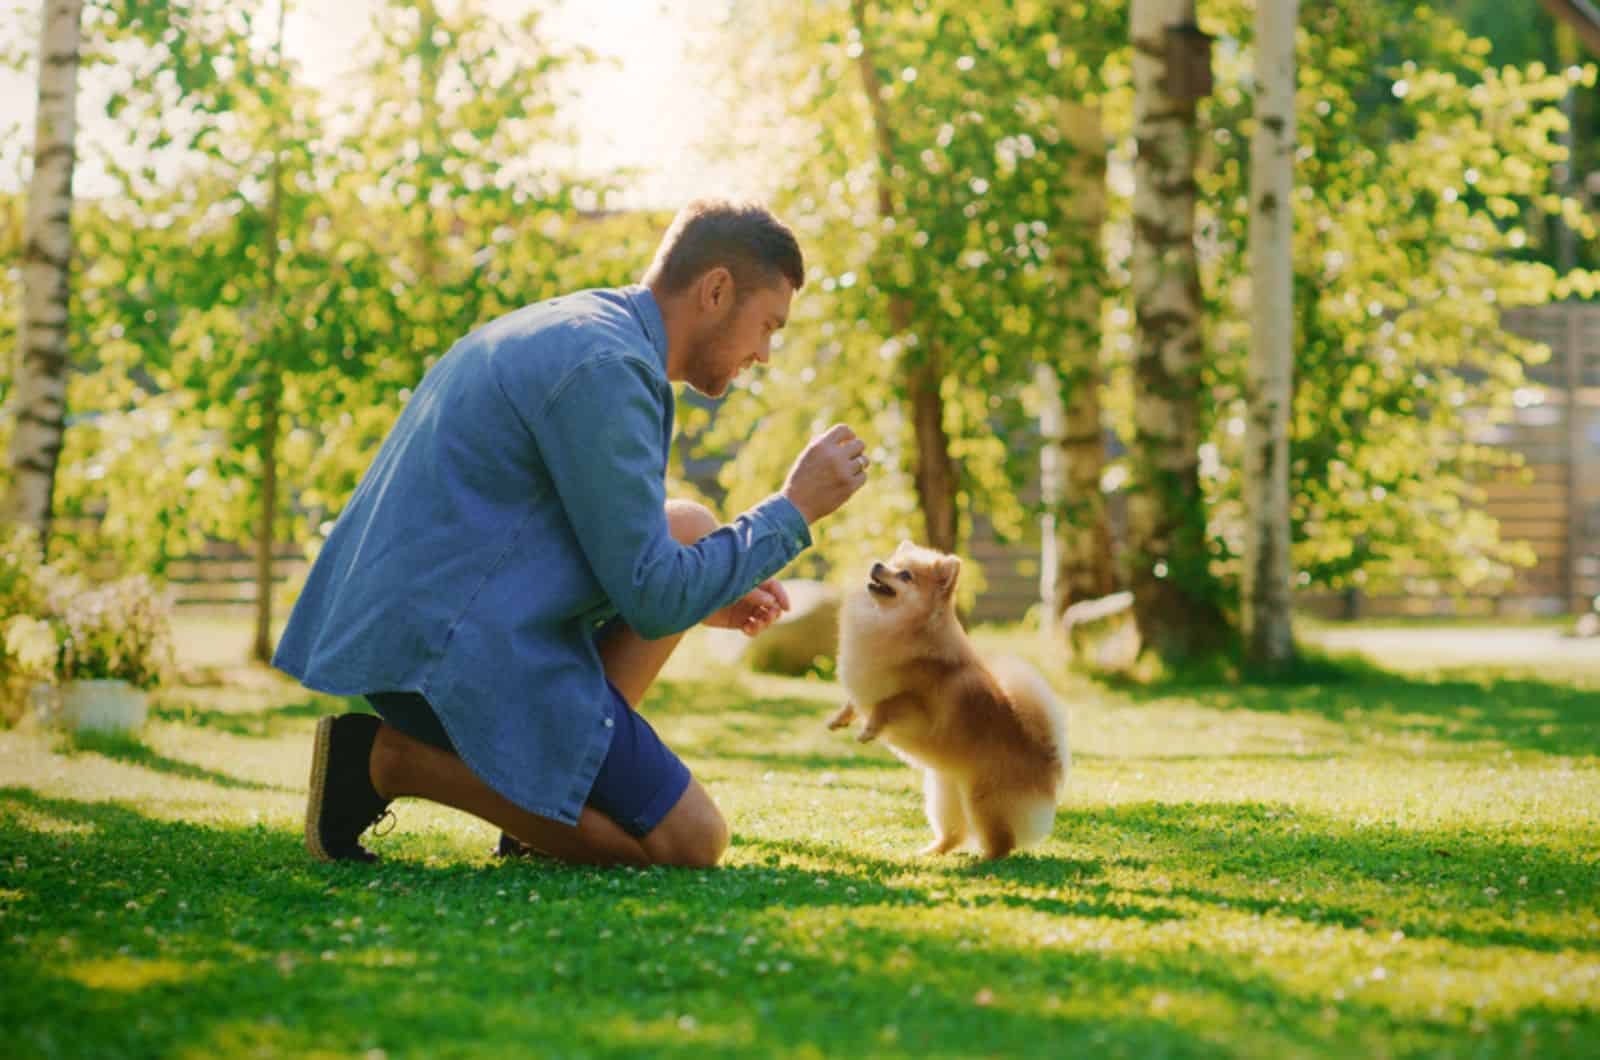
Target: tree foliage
{"x": 1418, "y": 162}
{"x": 426, "y": 197}
{"x": 391, "y": 244}
{"x": 1420, "y": 171}
{"x": 972, "y": 94}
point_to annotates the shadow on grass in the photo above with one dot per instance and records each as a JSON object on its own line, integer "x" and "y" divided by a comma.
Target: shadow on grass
{"x": 732, "y": 698}
{"x": 129, "y": 750}
{"x": 1456, "y": 706}
{"x": 1279, "y": 862}
{"x": 240, "y": 943}
{"x": 1031, "y": 868}
{"x": 135, "y": 936}
{"x": 1269, "y": 757}
{"x": 265, "y": 723}
{"x": 1275, "y": 860}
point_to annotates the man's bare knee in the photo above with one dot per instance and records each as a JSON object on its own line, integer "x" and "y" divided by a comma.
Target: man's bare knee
{"x": 690, "y": 521}
{"x": 701, "y": 850}
{"x": 693, "y": 834}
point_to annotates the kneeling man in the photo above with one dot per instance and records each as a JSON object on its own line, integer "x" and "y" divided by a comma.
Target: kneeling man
{"x": 509, "y": 577}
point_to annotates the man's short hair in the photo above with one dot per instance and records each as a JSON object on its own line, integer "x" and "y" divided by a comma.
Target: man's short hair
{"x": 743, "y": 237}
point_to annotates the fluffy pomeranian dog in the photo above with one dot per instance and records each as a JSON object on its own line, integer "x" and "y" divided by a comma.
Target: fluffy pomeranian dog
{"x": 991, "y": 740}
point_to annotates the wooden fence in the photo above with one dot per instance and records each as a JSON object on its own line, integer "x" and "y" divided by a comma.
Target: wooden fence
{"x": 1557, "y": 431}
{"x": 1552, "y": 504}
{"x": 222, "y": 577}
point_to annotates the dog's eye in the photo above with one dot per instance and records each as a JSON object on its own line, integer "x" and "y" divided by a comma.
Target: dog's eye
{"x": 905, "y": 575}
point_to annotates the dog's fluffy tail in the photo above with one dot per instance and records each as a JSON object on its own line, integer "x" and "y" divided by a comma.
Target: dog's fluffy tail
{"x": 1023, "y": 682}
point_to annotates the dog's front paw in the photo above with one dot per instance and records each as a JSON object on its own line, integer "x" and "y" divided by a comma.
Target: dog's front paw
{"x": 867, "y": 735}
{"x": 843, "y": 716}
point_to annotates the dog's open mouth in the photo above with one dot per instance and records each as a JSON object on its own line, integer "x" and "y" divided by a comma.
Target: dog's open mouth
{"x": 878, "y": 588}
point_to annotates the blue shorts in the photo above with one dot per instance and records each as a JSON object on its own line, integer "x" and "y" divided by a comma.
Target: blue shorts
{"x": 639, "y": 782}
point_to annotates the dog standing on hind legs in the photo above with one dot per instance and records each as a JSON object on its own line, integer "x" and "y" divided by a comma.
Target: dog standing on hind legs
{"x": 991, "y": 740}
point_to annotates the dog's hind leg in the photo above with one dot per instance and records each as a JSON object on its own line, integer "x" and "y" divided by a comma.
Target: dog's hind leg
{"x": 993, "y": 821}
{"x": 947, "y": 813}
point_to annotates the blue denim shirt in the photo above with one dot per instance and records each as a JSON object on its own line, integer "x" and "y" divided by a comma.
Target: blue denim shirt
{"x": 517, "y": 503}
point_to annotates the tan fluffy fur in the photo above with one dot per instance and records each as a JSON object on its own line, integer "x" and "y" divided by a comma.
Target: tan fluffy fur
{"x": 990, "y": 740}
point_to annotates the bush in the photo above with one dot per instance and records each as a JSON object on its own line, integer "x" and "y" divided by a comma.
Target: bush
{"x": 27, "y": 640}
{"x": 56, "y": 627}
{"x": 21, "y": 562}
{"x": 121, "y": 630}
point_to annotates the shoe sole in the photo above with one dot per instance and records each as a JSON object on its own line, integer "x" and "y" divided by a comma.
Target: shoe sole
{"x": 319, "y": 778}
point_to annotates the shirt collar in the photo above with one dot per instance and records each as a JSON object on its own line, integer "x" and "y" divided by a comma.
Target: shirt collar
{"x": 649, "y": 314}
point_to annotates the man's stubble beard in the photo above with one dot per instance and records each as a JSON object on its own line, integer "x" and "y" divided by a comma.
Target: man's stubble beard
{"x": 704, "y": 352}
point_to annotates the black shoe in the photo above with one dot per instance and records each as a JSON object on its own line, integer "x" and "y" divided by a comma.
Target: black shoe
{"x": 342, "y": 803}
{"x": 512, "y": 848}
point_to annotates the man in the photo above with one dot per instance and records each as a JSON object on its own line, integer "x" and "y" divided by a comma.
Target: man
{"x": 509, "y": 578}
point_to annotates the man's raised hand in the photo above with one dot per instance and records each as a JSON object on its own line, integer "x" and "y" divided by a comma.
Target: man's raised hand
{"x": 828, "y": 473}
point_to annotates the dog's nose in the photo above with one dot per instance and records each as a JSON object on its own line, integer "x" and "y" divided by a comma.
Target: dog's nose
{"x": 880, "y": 571}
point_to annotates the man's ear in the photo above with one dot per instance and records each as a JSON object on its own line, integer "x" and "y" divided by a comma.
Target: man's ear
{"x": 946, "y": 571}
{"x": 716, "y": 289}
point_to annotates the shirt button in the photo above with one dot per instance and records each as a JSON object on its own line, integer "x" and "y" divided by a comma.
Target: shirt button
{"x": 609, "y": 723}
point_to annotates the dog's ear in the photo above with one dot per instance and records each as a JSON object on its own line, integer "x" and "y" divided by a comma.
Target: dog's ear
{"x": 945, "y": 572}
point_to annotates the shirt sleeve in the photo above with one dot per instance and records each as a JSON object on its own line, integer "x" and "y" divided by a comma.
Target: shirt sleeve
{"x": 602, "y": 435}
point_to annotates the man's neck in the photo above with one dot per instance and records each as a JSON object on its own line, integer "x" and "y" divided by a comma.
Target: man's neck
{"x": 675, "y": 318}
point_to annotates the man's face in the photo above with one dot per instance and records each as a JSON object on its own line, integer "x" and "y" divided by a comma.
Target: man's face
{"x": 739, "y": 337}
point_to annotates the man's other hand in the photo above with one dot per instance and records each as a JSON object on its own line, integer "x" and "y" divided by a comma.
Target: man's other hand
{"x": 754, "y": 611}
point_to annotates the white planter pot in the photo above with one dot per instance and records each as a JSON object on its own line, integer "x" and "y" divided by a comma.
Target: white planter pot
{"x": 102, "y": 706}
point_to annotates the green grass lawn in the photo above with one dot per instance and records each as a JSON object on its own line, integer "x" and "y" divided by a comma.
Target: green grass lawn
{"x": 1373, "y": 865}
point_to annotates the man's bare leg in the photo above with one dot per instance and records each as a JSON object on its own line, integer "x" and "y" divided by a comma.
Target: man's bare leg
{"x": 402, "y": 766}
{"x": 631, "y": 662}
{"x": 693, "y": 831}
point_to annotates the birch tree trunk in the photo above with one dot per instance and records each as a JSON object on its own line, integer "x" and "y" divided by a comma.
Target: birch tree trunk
{"x": 1174, "y": 598}
{"x": 1076, "y": 563}
{"x": 1268, "y": 638}
{"x": 40, "y": 378}
{"x": 271, "y": 382}
{"x": 934, "y": 475}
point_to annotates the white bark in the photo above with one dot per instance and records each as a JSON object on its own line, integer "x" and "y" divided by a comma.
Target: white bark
{"x": 1166, "y": 518}
{"x": 271, "y": 387}
{"x": 1268, "y": 636}
{"x": 39, "y": 391}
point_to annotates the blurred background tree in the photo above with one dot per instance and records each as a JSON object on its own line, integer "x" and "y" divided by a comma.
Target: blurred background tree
{"x": 924, "y": 163}
{"x": 40, "y": 365}
{"x": 1417, "y": 168}
{"x": 1528, "y": 36}
{"x": 281, "y": 295}
{"x": 961, "y": 177}
{"x": 1420, "y": 167}
{"x": 1176, "y": 598}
